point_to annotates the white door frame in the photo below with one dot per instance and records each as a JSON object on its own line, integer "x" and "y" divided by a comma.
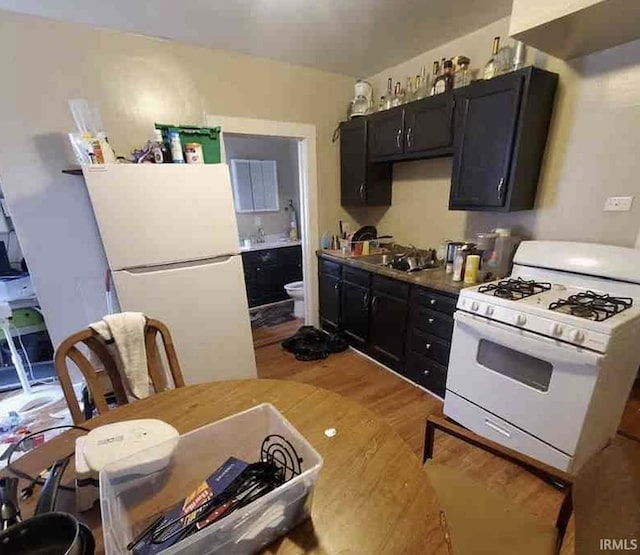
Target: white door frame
{"x": 307, "y": 167}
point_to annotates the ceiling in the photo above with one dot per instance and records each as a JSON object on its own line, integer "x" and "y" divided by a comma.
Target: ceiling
{"x": 353, "y": 37}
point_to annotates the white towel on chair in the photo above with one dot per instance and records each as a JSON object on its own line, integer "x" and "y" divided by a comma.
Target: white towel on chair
{"x": 126, "y": 331}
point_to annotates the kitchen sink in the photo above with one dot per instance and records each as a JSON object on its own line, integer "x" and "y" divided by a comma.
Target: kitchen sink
{"x": 402, "y": 262}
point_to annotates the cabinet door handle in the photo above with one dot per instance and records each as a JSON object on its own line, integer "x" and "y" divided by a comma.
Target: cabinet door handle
{"x": 337, "y": 286}
{"x": 374, "y": 304}
{"x": 361, "y": 190}
{"x": 365, "y": 301}
{"x": 432, "y": 301}
{"x": 430, "y": 320}
{"x": 409, "y": 131}
{"x": 426, "y": 372}
{"x": 501, "y": 188}
{"x": 398, "y": 137}
{"x": 428, "y": 346}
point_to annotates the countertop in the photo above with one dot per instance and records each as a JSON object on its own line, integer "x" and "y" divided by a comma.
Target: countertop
{"x": 434, "y": 279}
{"x": 269, "y": 245}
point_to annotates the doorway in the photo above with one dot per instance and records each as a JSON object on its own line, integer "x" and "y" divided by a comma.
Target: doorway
{"x": 272, "y": 166}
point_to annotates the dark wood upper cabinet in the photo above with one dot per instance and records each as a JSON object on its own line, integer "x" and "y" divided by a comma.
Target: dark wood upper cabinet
{"x": 502, "y": 127}
{"x": 420, "y": 129}
{"x": 362, "y": 183}
{"x": 386, "y": 134}
{"x": 496, "y": 131}
{"x": 428, "y": 125}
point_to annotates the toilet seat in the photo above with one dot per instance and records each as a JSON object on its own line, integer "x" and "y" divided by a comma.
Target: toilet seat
{"x": 294, "y": 286}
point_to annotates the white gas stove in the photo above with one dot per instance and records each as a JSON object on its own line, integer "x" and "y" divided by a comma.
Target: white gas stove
{"x": 543, "y": 361}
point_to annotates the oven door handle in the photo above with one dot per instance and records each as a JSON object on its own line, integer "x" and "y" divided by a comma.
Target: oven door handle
{"x": 527, "y": 342}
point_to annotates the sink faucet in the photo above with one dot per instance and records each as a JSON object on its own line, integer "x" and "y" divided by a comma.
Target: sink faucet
{"x": 260, "y": 235}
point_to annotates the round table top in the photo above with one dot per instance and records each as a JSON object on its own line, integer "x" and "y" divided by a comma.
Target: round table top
{"x": 372, "y": 495}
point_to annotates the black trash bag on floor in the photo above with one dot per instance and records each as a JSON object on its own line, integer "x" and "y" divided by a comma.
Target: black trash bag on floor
{"x": 310, "y": 343}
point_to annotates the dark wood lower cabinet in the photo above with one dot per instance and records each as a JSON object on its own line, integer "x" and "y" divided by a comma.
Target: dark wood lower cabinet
{"x": 355, "y": 312}
{"x": 329, "y": 292}
{"x": 267, "y": 271}
{"x": 387, "y": 331}
{"x": 426, "y": 372}
{"x": 405, "y": 327}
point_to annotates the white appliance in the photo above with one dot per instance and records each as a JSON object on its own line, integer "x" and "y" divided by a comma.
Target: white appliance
{"x": 171, "y": 239}
{"x": 131, "y": 440}
{"x": 543, "y": 362}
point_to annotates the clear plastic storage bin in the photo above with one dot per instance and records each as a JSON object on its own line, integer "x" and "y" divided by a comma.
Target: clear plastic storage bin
{"x": 130, "y": 498}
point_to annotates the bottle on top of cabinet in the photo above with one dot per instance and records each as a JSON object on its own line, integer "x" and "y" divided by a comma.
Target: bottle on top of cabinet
{"x": 388, "y": 99}
{"x": 444, "y": 82}
{"x": 398, "y": 95}
{"x": 435, "y": 74}
{"x": 491, "y": 67}
{"x": 462, "y": 74}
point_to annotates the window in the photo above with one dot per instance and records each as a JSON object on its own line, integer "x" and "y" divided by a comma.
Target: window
{"x": 524, "y": 368}
{"x": 255, "y": 185}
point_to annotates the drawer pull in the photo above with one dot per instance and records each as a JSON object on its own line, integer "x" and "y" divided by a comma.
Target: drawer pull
{"x": 426, "y": 372}
{"x": 432, "y": 301}
{"x": 430, "y": 320}
{"x": 428, "y": 346}
{"x": 497, "y": 428}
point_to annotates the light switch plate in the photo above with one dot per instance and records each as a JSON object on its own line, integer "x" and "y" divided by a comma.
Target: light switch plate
{"x": 618, "y": 204}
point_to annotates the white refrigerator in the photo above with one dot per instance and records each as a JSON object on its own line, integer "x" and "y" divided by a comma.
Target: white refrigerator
{"x": 171, "y": 239}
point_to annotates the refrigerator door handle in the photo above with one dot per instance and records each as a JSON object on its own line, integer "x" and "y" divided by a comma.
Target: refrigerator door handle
{"x": 178, "y": 265}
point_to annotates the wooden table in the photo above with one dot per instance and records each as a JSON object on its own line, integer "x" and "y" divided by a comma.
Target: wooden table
{"x": 372, "y": 495}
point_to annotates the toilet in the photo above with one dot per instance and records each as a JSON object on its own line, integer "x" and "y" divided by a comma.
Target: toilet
{"x": 295, "y": 290}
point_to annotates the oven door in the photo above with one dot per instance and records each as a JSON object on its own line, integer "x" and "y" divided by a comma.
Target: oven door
{"x": 539, "y": 385}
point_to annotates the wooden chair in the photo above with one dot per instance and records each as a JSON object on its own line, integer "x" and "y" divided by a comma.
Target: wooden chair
{"x": 481, "y": 522}
{"x": 68, "y": 350}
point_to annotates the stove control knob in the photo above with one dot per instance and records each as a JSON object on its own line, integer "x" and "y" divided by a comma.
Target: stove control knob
{"x": 556, "y": 329}
{"x": 489, "y": 310}
{"x": 576, "y": 336}
{"x": 475, "y": 306}
{"x": 520, "y": 319}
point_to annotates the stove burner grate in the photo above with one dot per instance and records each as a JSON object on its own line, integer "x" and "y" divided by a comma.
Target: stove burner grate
{"x": 592, "y": 306}
{"x": 515, "y": 289}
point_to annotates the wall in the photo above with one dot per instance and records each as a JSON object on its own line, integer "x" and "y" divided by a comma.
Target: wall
{"x": 285, "y": 153}
{"x": 591, "y": 154}
{"x": 136, "y": 82}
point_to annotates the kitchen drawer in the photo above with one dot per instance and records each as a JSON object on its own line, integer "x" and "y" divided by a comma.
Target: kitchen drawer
{"x": 487, "y": 425}
{"x": 355, "y": 276}
{"x": 432, "y": 322}
{"x": 434, "y": 301}
{"x": 430, "y": 346}
{"x": 391, "y": 287}
{"x": 426, "y": 372}
{"x": 330, "y": 268}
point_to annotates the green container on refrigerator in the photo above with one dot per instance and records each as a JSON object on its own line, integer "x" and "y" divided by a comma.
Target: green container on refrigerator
{"x": 207, "y": 137}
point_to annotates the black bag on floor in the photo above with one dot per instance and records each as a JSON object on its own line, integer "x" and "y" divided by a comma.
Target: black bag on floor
{"x": 311, "y": 344}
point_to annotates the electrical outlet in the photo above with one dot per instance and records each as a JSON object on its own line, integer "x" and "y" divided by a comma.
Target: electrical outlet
{"x": 257, "y": 221}
{"x": 618, "y": 204}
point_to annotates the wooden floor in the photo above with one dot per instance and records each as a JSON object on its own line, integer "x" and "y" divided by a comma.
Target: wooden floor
{"x": 268, "y": 335}
{"x": 405, "y": 407}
